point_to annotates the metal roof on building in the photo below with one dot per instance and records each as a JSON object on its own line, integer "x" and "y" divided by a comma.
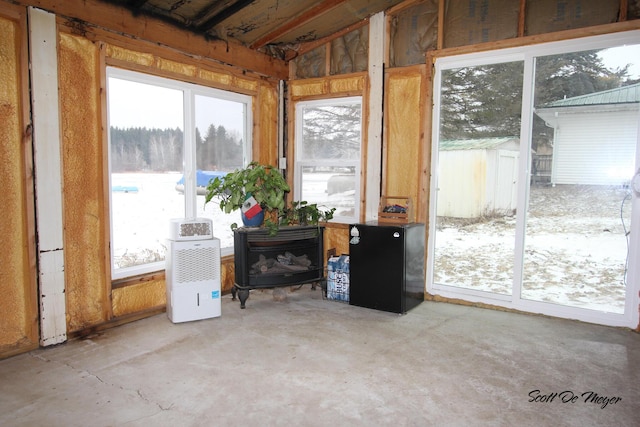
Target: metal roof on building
{"x": 476, "y": 144}
{"x": 622, "y": 95}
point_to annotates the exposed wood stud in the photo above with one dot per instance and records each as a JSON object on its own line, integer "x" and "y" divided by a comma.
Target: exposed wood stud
{"x": 624, "y": 10}
{"x": 521, "y": 17}
{"x": 441, "y": 9}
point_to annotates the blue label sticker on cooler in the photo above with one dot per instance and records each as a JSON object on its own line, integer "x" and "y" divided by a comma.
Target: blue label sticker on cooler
{"x": 215, "y": 294}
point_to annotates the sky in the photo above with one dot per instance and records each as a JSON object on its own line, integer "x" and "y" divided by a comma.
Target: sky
{"x": 620, "y": 56}
{"x": 134, "y": 104}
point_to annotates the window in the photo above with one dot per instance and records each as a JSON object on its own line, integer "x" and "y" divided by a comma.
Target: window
{"x": 328, "y": 152}
{"x": 167, "y": 139}
{"x": 532, "y": 155}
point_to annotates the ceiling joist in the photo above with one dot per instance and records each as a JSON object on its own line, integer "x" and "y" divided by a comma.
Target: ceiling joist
{"x": 223, "y": 14}
{"x": 297, "y": 22}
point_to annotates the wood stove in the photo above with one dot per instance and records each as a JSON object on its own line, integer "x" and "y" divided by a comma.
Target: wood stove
{"x": 294, "y": 256}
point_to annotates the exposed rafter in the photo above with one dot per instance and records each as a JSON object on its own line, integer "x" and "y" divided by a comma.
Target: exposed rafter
{"x": 211, "y": 10}
{"x": 224, "y": 14}
{"x": 279, "y": 27}
{"x": 297, "y": 22}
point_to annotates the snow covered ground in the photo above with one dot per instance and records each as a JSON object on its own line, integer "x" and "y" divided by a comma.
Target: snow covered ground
{"x": 575, "y": 249}
{"x": 142, "y": 213}
{"x": 142, "y": 217}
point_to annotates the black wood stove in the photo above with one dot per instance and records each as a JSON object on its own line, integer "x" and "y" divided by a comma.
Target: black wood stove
{"x": 294, "y": 256}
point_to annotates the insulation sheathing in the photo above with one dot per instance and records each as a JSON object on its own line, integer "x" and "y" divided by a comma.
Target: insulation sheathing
{"x": 350, "y": 85}
{"x": 633, "y": 9}
{"x": 413, "y": 31}
{"x": 350, "y": 53}
{"x": 219, "y": 78}
{"x": 176, "y": 67}
{"x": 346, "y": 85}
{"x": 335, "y": 238}
{"x": 545, "y": 16}
{"x": 83, "y": 198}
{"x": 402, "y": 146}
{"x": 266, "y": 151}
{"x": 311, "y": 64}
{"x": 15, "y": 303}
{"x": 227, "y": 274}
{"x": 301, "y": 89}
{"x": 139, "y": 297}
{"x": 469, "y": 22}
{"x": 130, "y": 56}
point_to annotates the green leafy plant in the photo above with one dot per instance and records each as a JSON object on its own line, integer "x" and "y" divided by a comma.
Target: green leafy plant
{"x": 264, "y": 182}
{"x": 304, "y": 213}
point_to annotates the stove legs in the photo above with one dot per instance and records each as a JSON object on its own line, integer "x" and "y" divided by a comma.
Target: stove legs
{"x": 243, "y": 295}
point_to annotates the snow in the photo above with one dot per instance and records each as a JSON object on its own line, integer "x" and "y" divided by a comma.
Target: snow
{"x": 575, "y": 249}
{"x": 142, "y": 218}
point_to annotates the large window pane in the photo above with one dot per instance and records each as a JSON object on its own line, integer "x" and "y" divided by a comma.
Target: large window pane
{"x": 220, "y": 149}
{"x": 146, "y": 156}
{"x": 573, "y": 218}
{"x": 328, "y": 150}
{"x": 330, "y": 186}
{"x": 584, "y": 142}
{"x": 478, "y": 156}
{"x": 158, "y": 171}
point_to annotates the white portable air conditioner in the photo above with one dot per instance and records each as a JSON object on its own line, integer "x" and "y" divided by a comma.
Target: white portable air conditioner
{"x": 193, "y": 271}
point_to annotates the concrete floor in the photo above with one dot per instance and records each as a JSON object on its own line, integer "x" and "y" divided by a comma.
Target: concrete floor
{"x": 313, "y": 362}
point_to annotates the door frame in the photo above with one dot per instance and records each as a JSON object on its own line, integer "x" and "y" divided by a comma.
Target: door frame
{"x": 630, "y": 317}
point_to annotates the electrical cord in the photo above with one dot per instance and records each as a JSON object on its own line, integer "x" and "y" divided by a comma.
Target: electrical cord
{"x": 626, "y": 236}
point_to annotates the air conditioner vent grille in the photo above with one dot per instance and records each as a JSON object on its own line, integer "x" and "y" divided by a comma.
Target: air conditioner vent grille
{"x": 197, "y": 264}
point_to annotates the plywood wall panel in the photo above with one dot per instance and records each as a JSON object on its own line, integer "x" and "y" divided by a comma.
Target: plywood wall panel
{"x": 18, "y": 306}
{"x": 83, "y": 200}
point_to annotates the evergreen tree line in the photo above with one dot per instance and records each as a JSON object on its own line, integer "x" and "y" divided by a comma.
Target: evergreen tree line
{"x": 138, "y": 149}
{"x": 332, "y": 132}
{"x": 485, "y": 101}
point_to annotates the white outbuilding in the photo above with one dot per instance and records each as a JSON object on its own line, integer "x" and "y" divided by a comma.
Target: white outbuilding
{"x": 595, "y": 136}
{"x": 477, "y": 177}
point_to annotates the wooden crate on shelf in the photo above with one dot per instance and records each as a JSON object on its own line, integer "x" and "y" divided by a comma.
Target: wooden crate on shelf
{"x": 401, "y": 212}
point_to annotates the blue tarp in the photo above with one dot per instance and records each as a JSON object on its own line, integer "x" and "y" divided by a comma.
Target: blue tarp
{"x": 125, "y": 188}
{"x": 203, "y": 177}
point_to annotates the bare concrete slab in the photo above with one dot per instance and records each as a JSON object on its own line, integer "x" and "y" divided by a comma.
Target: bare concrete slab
{"x": 313, "y": 362}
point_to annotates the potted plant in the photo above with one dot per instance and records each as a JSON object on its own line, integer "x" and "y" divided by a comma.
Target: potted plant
{"x": 244, "y": 189}
{"x": 304, "y": 213}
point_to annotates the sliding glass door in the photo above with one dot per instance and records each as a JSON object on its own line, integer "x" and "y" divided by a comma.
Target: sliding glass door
{"x": 584, "y": 136}
{"x": 534, "y": 150}
{"x": 477, "y": 189}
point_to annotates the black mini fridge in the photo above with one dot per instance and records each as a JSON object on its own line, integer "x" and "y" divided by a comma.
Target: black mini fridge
{"x": 386, "y": 264}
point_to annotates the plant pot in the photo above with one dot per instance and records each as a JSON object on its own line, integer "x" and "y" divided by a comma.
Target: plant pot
{"x": 255, "y": 221}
